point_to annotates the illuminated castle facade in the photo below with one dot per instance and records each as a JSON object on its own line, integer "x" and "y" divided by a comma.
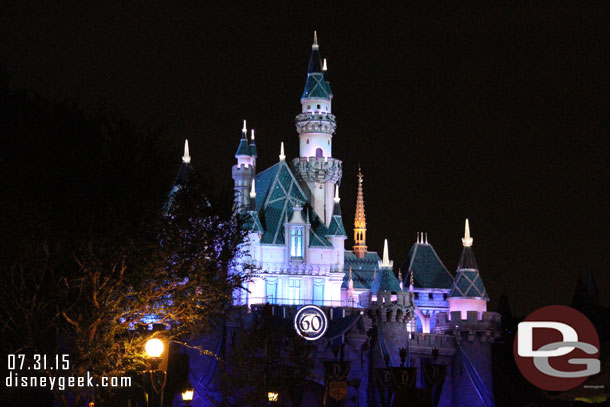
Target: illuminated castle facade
{"x": 296, "y": 244}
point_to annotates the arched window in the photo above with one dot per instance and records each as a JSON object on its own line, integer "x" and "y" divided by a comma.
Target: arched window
{"x": 319, "y": 153}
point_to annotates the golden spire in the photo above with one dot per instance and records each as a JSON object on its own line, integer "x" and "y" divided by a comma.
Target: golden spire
{"x": 360, "y": 221}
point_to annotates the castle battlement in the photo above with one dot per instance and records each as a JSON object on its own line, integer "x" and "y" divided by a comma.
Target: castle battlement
{"x": 425, "y": 343}
{"x": 390, "y": 307}
{"x": 243, "y": 167}
{"x": 317, "y": 169}
{"x": 316, "y": 122}
{"x": 482, "y": 325}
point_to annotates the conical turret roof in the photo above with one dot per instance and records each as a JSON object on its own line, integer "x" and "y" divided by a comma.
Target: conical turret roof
{"x": 316, "y": 86}
{"x": 243, "y": 148}
{"x": 468, "y": 282}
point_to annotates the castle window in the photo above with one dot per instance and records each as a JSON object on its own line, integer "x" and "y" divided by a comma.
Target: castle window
{"x": 329, "y": 142}
{"x": 318, "y": 106}
{"x": 294, "y": 291}
{"x": 309, "y": 107}
{"x": 296, "y": 242}
{"x": 271, "y": 290}
{"x": 307, "y": 141}
{"x": 318, "y": 291}
{"x": 319, "y": 153}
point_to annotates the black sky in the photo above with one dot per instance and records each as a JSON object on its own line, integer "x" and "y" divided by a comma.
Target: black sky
{"x": 497, "y": 112}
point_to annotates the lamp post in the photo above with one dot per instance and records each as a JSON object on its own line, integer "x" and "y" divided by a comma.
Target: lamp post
{"x": 154, "y": 349}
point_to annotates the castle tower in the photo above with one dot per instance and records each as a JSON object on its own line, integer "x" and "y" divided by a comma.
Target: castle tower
{"x": 468, "y": 292}
{"x": 316, "y": 125}
{"x": 243, "y": 172}
{"x": 360, "y": 222}
{"x": 473, "y": 328}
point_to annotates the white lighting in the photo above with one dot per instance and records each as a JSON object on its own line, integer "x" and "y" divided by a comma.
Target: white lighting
{"x": 187, "y": 395}
{"x": 154, "y": 347}
{"x": 467, "y": 240}
{"x": 186, "y": 158}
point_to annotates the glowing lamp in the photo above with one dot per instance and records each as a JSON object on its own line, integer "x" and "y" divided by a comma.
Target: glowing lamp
{"x": 154, "y": 348}
{"x": 272, "y": 396}
{"x": 187, "y": 395}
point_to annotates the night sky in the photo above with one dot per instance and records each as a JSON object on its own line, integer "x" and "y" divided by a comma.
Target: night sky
{"x": 495, "y": 112}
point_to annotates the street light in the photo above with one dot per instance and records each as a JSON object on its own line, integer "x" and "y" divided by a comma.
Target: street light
{"x": 187, "y": 396}
{"x": 154, "y": 349}
{"x": 272, "y": 396}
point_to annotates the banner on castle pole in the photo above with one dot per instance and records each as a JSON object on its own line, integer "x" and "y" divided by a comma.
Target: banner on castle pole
{"x": 383, "y": 378}
{"x": 434, "y": 378}
{"x": 336, "y": 373}
{"x": 403, "y": 380}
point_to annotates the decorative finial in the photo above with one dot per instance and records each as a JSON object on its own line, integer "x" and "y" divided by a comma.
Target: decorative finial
{"x": 386, "y": 255}
{"x": 337, "y": 199}
{"x": 282, "y": 156}
{"x": 324, "y": 66}
{"x": 426, "y": 237}
{"x": 253, "y": 190}
{"x": 467, "y": 240}
{"x": 244, "y": 130}
{"x": 252, "y": 133}
{"x": 315, "y": 41}
{"x": 400, "y": 282}
{"x": 386, "y": 262}
{"x": 186, "y": 158}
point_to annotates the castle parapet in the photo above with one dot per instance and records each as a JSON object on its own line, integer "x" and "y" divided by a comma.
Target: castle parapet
{"x": 425, "y": 343}
{"x": 317, "y": 169}
{"x": 483, "y": 326}
{"x": 390, "y": 307}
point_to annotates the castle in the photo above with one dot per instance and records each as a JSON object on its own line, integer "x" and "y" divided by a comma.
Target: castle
{"x": 296, "y": 243}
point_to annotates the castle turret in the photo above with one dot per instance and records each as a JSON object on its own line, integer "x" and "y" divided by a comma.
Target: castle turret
{"x": 315, "y": 167}
{"x": 183, "y": 177}
{"x": 360, "y": 222}
{"x": 474, "y": 330}
{"x": 244, "y": 171}
{"x": 385, "y": 280}
{"x": 468, "y": 292}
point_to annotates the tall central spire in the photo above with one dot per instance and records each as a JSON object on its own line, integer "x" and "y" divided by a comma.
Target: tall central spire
{"x": 360, "y": 221}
